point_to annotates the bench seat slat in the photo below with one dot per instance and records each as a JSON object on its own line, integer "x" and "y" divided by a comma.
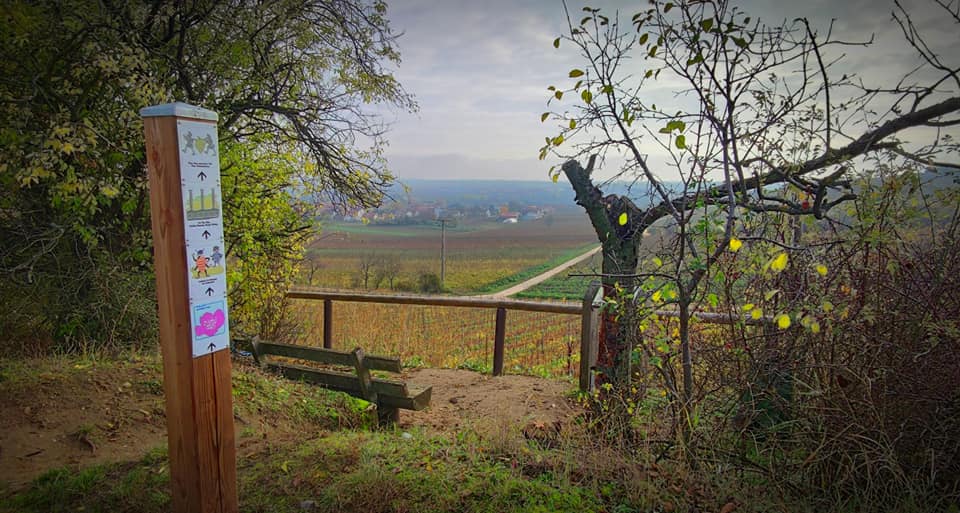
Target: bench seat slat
{"x": 339, "y": 380}
{"x": 416, "y": 400}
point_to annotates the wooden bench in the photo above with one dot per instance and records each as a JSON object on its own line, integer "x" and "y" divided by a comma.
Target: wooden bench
{"x": 390, "y": 396}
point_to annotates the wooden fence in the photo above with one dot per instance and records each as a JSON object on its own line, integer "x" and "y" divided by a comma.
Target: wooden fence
{"x": 588, "y": 311}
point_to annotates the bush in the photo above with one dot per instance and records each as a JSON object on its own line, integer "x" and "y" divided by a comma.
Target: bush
{"x": 871, "y": 413}
{"x": 429, "y": 283}
{"x": 857, "y": 402}
{"x": 81, "y": 305}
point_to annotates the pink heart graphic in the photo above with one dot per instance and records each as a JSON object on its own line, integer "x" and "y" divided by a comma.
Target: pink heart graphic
{"x": 210, "y": 323}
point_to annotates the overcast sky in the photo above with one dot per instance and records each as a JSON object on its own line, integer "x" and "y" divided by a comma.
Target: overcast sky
{"x": 480, "y": 70}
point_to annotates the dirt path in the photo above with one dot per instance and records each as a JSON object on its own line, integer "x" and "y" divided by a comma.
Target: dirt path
{"x": 77, "y": 418}
{"x": 464, "y": 398}
{"x": 540, "y": 278}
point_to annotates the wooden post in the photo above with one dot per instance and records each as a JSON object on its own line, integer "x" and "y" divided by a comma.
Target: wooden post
{"x": 328, "y": 324}
{"x": 588, "y": 336}
{"x": 193, "y": 331}
{"x": 498, "y": 341}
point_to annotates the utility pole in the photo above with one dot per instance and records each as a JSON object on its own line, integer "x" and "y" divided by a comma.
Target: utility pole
{"x": 443, "y": 250}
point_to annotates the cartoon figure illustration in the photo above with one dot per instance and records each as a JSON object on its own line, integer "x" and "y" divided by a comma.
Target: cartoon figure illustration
{"x": 189, "y": 145}
{"x": 200, "y": 263}
{"x": 210, "y": 147}
{"x": 216, "y": 256}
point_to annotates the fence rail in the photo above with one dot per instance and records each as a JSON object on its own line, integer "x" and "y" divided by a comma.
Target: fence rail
{"x": 588, "y": 311}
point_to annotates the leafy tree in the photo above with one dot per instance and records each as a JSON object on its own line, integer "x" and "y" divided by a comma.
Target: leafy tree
{"x": 762, "y": 120}
{"x": 290, "y": 80}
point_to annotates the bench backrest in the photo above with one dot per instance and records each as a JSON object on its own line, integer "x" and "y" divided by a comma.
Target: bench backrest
{"x": 389, "y": 395}
{"x": 263, "y": 348}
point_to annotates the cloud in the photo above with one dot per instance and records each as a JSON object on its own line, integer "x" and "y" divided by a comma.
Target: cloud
{"x": 480, "y": 71}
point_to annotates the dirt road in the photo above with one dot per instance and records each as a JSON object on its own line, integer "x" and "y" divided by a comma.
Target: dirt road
{"x": 545, "y": 276}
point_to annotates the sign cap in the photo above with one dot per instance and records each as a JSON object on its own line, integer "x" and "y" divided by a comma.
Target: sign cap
{"x": 179, "y": 109}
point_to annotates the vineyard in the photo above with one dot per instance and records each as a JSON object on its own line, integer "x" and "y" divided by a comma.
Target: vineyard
{"x": 479, "y": 255}
{"x": 536, "y": 343}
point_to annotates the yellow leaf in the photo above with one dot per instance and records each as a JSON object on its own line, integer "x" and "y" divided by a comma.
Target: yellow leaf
{"x": 656, "y": 296}
{"x": 623, "y": 219}
{"x": 747, "y": 307}
{"x": 783, "y": 321}
{"x": 756, "y": 313}
{"x": 735, "y": 244}
{"x": 821, "y": 269}
{"x": 779, "y": 262}
{"x": 657, "y": 262}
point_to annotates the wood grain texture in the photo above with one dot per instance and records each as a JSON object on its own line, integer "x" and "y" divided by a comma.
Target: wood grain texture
{"x": 200, "y": 430}
{"x": 464, "y": 301}
{"x": 328, "y": 356}
{"x": 499, "y": 340}
{"x": 588, "y": 335}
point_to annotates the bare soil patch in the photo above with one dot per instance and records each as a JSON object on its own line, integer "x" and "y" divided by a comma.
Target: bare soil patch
{"x": 464, "y": 398}
{"x": 78, "y": 418}
{"x": 73, "y": 417}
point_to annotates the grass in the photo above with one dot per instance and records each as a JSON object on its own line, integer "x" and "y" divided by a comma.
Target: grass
{"x": 335, "y": 466}
{"x": 563, "y": 286}
{"x": 346, "y": 472}
{"x": 530, "y": 272}
{"x": 131, "y": 486}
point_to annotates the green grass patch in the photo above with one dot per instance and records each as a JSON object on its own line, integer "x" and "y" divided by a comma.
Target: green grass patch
{"x": 139, "y": 486}
{"x": 563, "y": 286}
{"x": 530, "y": 272}
{"x": 567, "y": 288}
{"x": 346, "y": 472}
{"x": 255, "y": 390}
{"x": 389, "y": 471}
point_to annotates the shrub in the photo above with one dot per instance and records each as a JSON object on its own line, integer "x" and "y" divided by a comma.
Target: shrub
{"x": 429, "y": 283}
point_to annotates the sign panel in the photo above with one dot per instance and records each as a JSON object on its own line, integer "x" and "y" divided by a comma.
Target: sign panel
{"x": 203, "y": 227}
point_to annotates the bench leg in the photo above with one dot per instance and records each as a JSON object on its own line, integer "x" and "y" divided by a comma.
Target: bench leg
{"x": 387, "y": 416}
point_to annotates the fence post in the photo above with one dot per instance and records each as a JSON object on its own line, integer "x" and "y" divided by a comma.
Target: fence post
{"x": 182, "y": 156}
{"x": 588, "y": 336}
{"x": 498, "y": 341}
{"x": 328, "y": 324}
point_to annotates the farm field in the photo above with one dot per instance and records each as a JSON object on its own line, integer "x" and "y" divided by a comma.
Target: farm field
{"x": 565, "y": 286}
{"x": 481, "y": 256}
{"x": 535, "y": 343}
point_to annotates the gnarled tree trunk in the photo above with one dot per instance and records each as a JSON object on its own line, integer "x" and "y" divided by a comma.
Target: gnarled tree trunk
{"x": 619, "y": 225}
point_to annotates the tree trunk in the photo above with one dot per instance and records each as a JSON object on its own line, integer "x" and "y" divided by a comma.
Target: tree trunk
{"x": 620, "y": 238}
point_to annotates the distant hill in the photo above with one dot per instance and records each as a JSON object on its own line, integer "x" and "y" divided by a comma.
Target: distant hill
{"x": 471, "y": 193}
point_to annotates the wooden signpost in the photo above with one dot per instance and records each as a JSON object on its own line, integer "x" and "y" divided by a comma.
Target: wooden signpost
{"x": 184, "y": 170}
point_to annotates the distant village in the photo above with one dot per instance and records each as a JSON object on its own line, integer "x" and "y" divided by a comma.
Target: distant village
{"x": 431, "y": 211}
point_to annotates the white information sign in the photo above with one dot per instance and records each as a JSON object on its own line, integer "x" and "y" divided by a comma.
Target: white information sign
{"x": 203, "y": 227}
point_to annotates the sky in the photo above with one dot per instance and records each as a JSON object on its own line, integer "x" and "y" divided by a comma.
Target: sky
{"x": 479, "y": 71}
